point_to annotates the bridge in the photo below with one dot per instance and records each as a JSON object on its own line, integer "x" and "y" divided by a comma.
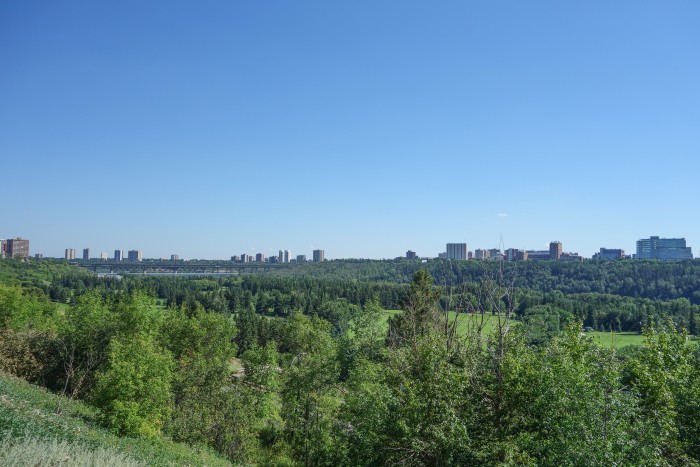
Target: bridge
{"x": 184, "y": 267}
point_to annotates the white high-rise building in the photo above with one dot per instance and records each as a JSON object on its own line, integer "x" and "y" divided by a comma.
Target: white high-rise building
{"x": 284, "y": 256}
{"x": 457, "y": 251}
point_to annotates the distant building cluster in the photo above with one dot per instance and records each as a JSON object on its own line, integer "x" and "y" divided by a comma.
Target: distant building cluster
{"x": 284, "y": 256}
{"x": 458, "y": 251}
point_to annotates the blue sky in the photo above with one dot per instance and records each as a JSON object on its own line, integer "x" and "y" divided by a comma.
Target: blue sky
{"x": 364, "y": 128}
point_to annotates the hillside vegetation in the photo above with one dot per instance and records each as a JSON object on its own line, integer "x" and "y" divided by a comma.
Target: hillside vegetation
{"x": 40, "y": 428}
{"x": 293, "y": 370}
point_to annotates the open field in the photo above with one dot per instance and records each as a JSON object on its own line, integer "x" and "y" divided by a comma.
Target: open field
{"x": 465, "y": 321}
{"x": 617, "y": 339}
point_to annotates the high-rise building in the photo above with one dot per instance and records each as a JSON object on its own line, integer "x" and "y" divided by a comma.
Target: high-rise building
{"x": 555, "y": 249}
{"x": 411, "y": 255}
{"x": 284, "y": 256}
{"x": 610, "y": 253}
{"x": 174, "y": 257}
{"x": 118, "y": 255}
{"x": 259, "y": 258}
{"x": 481, "y": 254}
{"x": 495, "y": 254}
{"x": 17, "y": 248}
{"x": 301, "y": 258}
{"x": 456, "y": 251}
{"x": 319, "y": 256}
{"x": 70, "y": 253}
{"x": 3, "y": 248}
{"x": 245, "y": 258}
{"x": 104, "y": 256}
{"x": 86, "y": 253}
{"x": 135, "y": 255}
{"x": 663, "y": 249}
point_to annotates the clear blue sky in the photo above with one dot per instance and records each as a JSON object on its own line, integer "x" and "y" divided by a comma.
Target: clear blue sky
{"x": 364, "y": 128}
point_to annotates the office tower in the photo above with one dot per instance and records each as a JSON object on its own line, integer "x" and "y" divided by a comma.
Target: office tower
{"x": 70, "y": 253}
{"x": 411, "y": 255}
{"x": 86, "y": 253}
{"x": 135, "y": 255}
{"x": 235, "y": 258}
{"x": 17, "y": 248}
{"x": 301, "y": 258}
{"x": 555, "y": 250}
{"x": 663, "y": 249}
{"x": 319, "y": 256}
{"x": 118, "y": 255}
{"x": 245, "y": 258}
{"x": 457, "y": 251}
{"x": 259, "y": 258}
{"x": 174, "y": 257}
{"x": 104, "y": 256}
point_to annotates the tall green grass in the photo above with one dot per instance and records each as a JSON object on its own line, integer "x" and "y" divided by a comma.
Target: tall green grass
{"x": 28, "y": 418}
{"x": 21, "y": 452}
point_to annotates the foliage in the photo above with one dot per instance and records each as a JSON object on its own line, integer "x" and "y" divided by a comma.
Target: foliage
{"x": 300, "y": 366}
{"x": 134, "y": 390}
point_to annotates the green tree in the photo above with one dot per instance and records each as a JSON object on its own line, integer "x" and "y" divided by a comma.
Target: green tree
{"x": 542, "y": 322}
{"x": 564, "y": 405}
{"x": 368, "y": 332}
{"x": 665, "y": 379}
{"x": 420, "y": 311}
{"x": 134, "y": 390}
{"x": 83, "y": 338}
{"x": 310, "y": 395}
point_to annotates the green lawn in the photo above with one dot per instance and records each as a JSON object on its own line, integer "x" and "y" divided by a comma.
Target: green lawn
{"x": 464, "y": 323}
{"x": 617, "y": 339}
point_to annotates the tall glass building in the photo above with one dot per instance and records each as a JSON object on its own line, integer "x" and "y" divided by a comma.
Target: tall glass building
{"x": 663, "y": 249}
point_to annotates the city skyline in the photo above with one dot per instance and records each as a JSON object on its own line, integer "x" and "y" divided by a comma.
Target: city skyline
{"x": 366, "y": 129}
{"x": 460, "y": 251}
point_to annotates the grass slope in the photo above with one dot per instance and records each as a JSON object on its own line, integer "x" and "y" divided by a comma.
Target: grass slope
{"x": 28, "y": 422}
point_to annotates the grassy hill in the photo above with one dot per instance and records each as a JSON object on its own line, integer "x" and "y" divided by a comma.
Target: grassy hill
{"x": 32, "y": 433}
